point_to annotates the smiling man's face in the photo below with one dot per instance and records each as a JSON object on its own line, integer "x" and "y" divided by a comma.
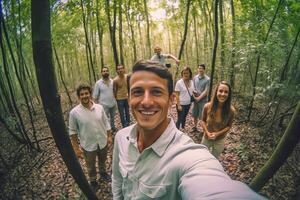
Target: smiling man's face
{"x": 149, "y": 100}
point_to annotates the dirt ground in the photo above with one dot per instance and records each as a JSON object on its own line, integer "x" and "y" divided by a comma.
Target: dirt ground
{"x": 27, "y": 174}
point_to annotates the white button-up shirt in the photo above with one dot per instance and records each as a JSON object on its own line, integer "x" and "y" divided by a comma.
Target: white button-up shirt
{"x": 91, "y": 125}
{"x": 173, "y": 167}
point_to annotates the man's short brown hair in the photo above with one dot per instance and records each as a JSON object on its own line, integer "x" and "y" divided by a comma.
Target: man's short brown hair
{"x": 83, "y": 86}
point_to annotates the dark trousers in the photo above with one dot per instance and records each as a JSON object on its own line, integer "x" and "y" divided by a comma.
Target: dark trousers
{"x": 123, "y": 108}
{"x": 182, "y": 115}
{"x": 90, "y": 161}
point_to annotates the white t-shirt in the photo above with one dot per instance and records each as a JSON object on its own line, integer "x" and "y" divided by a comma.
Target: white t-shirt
{"x": 184, "y": 95}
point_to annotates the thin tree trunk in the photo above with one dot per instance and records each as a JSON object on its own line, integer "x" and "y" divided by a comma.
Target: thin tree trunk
{"x": 20, "y": 82}
{"x": 214, "y": 53}
{"x": 186, "y": 21}
{"x": 196, "y": 38}
{"x": 10, "y": 87}
{"x": 62, "y": 78}
{"x": 148, "y": 44}
{"x": 129, "y": 24}
{"x": 88, "y": 45}
{"x": 283, "y": 150}
{"x": 112, "y": 29}
{"x": 258, "y": 62}
{"x": 120, "y": 33}
{"x": 100, "y": 34}
{"x": 222, "y": 49}
{"x": 42, "y": 55}
{"x": 233, "y": 48}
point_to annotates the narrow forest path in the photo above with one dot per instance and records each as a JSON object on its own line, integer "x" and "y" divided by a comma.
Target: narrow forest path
{"x": 44, "y": 176}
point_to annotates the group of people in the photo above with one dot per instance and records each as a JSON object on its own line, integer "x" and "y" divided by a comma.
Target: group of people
{"x": 153, "y": 158}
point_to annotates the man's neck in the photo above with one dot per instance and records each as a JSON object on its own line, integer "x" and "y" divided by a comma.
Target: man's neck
{"x": 88, "y": 105}
{"x": 121, "y": 76}
{"x": 146, "y": 138}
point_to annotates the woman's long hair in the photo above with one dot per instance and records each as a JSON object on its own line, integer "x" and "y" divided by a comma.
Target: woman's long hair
{"x": 226, "y": 108}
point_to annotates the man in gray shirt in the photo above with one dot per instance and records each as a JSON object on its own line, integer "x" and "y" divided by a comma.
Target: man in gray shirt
{"x": 104, "y": 95}
{"x": 152, "y": 159}
{"x": 201, "y": 84}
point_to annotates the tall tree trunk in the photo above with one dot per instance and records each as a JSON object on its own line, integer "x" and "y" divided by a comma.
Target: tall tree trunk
{"x": 112, "y": 28}
{"x": 88, "y": 45}
{"x": 186, "y": 22}
{"x": 222, "y": 50}
{"x": 130, "y": 25}
{"x": 62, "y": 78}
{"x": 214, "y": 53}
{"x": 10, "y": 86}
{"x": 100, "y": 33}
{"x": 148, "y": 44}
{"x": 19, "y": 80}
{"x": 121, "y": 33}
{"x": 42, "y": 55}
{"x": 284, "y": 148}
{"x": 196, "y": 37}
{"x": 233, "y": 45}
{"x": 258, "y": 62}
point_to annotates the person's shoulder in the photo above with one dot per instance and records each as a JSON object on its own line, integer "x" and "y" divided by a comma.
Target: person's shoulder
{"x": 116, "y": 78}
{"x": 207, "y": 77}
{"x": 207, "y": 105}
{"x": 75, "y": 109}
{"x": 179, "y": 81}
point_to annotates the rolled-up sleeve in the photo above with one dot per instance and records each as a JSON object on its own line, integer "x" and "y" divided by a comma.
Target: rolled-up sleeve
{"x": 116, "y": 175}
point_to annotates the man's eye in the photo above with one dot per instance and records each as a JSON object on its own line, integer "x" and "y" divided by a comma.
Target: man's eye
{"x": 136, "y": 92}
{"x": 157, "y": 92}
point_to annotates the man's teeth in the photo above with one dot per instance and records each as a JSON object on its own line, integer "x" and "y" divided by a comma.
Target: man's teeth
{"x": 147, "y": 113}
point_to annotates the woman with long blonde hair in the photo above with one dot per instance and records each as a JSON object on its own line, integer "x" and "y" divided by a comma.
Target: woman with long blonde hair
{"x": 217, "y": 118}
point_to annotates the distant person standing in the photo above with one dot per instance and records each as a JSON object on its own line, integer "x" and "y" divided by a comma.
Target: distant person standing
{"x": 89, "y": 124}
{"x": 161, "y": 58}
{"x": 121, "y": 95}
{"x": 183, "y": 91}
{"x": 201, "y": 84}
{"x": 104, "y": 95}
{"x": 217, "y": 119}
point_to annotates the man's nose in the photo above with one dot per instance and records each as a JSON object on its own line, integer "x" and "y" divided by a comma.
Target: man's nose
{"x": 147, "y": 98}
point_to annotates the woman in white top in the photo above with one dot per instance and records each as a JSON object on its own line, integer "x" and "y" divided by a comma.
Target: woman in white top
{"x": 184, "y": 90}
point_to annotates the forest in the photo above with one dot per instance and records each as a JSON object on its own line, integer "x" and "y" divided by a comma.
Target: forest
{"x": 49, "y": 47}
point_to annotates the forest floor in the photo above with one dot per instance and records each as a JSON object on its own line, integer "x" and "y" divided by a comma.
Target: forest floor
{"x": 28, "y": 174}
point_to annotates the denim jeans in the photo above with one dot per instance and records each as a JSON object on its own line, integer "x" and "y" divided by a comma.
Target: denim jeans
{"x": 110, "y": 114}
{"x": 182, "y": 116}
{"x": 123, "y": 108}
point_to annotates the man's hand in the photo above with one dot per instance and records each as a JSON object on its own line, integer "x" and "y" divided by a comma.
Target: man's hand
{"x": 109, "y": 139}
{"x": 179, "y": 108}
{"x": 78, "y": 152}
{"x": 177, "y": 62}
{"x": 211, "y": 136}
{"x": 77, "y": 149}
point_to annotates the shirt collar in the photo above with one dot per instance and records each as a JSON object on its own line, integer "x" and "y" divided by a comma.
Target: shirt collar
{"x": 92, "y": 108}
{"x": 201, "y": 77}
{"x": 162, "y": 143}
